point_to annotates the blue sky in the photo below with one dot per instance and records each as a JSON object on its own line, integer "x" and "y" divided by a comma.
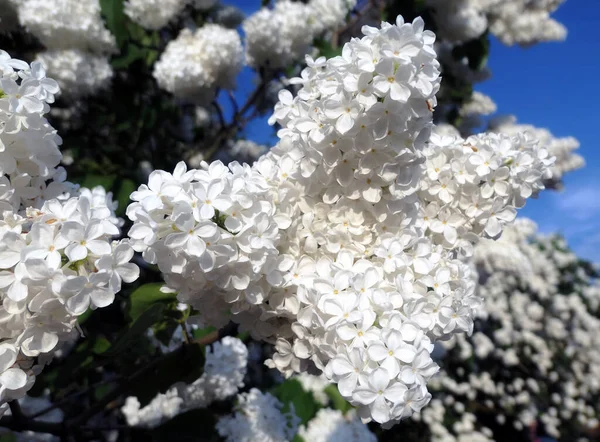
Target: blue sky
{"x": 555, "y": 85}
{"x": 552, "y": 85}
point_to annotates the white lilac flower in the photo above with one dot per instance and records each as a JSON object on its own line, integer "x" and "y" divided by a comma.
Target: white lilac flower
{"x": 341, "y": 245}
{"x": 333, "y": 426}
{"x": 561, "y": 148}
{"x": 258, "y": 416}
{"x": 67, "y": 24}
{"x": 276, "y": 37}
{"x": 78, "y": 74}
{"x": 52, "y": 234}
{"x": 196, "y": 63}
{"x": 153, "y": 14}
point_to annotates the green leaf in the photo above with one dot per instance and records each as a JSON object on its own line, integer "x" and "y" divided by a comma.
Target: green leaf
{"x": 145, "y": 296}
{"x": 163, "y": 331}
{"x": 339, "y": 403}
{"x": 152, "y": 315}
{"x": 325, "y": 48}
{"x": 201, "y": 332}
{"x": 85, "y": 316}
{"x": 91, "y": 180}
{"x": 8, "y": 437}
{"x": 131, "y": 54}
{"x": 115, "y": 18}
{"x": 291, "y": 392}
{"x": 101, "y": 344}
{"x": 125, "y": 189}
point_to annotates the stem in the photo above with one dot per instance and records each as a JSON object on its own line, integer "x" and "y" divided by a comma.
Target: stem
{"x": 30, "y": 425}
{"x": 70, "y": 398}
{"x": 16, "y": 411}
{"x": 237, "y": 122}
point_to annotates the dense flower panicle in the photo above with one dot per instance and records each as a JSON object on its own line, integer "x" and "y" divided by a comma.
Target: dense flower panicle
{"x": 333, "y": 426}
{"x": 341, "y": 244}
{"x": 67, "y": 24}
{"x": 535, "y": 353}
{"x": 213, "y": 233}
{"x": 153, "y": 14}
{"x": 521, "y": 22}
{"x": 258, "y": 417}
{"x": 196, "y": 63}
{"x": 57, "y": 256}
{"x": 284, "y": 34}
{"x": 29, "y": 153}
{"x": 78, "y": 74}
{"x": 224, "y": 371}
{"x": 561, "y": 148}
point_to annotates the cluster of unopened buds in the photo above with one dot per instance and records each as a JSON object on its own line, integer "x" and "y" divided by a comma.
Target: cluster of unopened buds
{"x": 341, "y": 245}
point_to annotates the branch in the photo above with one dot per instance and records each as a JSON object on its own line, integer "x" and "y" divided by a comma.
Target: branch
{"x": 237, "y": 122}
{"x": 14, "y": 424}
{"x": 219, "y": 113}
{"x": 16, "y": 411}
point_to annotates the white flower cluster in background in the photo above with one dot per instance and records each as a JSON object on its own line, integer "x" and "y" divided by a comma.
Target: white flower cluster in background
{"x": 535, "y": 355}
{"x": 79, "y": 74}
{"x": 561, "y": 148}
{"x": 340, "y": 246}
{"x": 333, "y": 426}
{"x": 77, "y": 43}
{"x": 522, "y": 22}
{"x": 279, "y": 36}
{"x": 153, "y": 14}
{"x": 315, "y": 385}
{"x": 196, "y": 63}
{"x": 478, "y": 104}
{"x": 472, "y": 113}
{"x": 258, "y": 417}
{"x": 67, "y": 24}
{"x": 57, "y": 256}
{"x": 224, "y": 371}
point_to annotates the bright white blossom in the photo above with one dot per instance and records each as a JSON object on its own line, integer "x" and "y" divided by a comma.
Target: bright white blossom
{"x": 333, "y": 426}
{"x": 535, "y": 355}
{"x": 52, "y": 235}
{"x": 284, "y": 34}
{"x": 341, "y": 246}
{"x": 67, "y": 24}
{"x": 258, "y": 417}
{"x": 196, "y": 63}
{"x": 78, "y": 74}
{"x": 520, "y": 22}
{"x": 153, "y": 14}
{"x": 562, "y": 148}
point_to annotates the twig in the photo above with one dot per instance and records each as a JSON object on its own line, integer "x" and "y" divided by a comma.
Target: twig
{"x": 217, "y": 106}
{"x": 30, "y": 425}
{"x": 234, "y": 104}
{"x": 70, "y": 398}
{"x": 237, "y": 121}
{"x": 16, "y": 411}
{"x": 186, "y": 334}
